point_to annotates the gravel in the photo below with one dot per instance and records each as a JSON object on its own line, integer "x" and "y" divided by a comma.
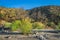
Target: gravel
{"x": 24, "y": 37}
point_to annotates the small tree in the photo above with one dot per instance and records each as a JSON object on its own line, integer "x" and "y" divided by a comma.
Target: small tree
{"x": 23, "y": 25}
{"x": 26, "y": 26}
{"x": 38, "y": 25}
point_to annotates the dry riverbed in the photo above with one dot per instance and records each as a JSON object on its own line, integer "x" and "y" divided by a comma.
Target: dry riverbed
{"x": 31, "y": 37}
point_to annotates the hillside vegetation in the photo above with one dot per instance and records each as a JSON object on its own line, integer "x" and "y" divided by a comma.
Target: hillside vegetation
{"x": 43, "y": 17}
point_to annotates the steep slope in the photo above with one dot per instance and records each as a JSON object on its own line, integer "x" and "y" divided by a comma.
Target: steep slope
{"x": 45, "y": 14}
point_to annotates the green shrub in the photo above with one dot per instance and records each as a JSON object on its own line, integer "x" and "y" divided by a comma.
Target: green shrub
{"x": 58, "y": 26}
{"x": 38, "y": 25}
{"x": 7, "y": 24}
{"x": 15, "y": 25}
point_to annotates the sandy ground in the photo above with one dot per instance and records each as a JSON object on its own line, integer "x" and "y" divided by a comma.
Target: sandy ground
{"x": 31, "y": 37}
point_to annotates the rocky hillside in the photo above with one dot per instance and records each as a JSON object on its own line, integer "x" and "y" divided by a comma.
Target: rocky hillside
{"x": 45, "y": 14}
{"x": 48, "y": 15}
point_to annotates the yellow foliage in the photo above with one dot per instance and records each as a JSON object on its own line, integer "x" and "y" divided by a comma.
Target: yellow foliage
{"x": 38, "y": 25}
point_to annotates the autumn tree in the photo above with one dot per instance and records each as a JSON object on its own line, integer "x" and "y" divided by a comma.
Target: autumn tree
{"x": 26, "y": 25}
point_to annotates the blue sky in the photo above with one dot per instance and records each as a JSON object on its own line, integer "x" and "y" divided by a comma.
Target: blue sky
{"x": 28, "y": 4}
